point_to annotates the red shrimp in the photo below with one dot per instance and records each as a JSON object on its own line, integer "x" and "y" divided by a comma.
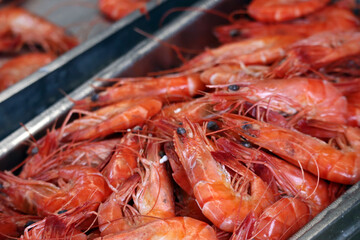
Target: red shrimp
{"x": 168, "y": 89}
{"x": 177, "y": 228}
{"x": 311, "y": 154}
{"x": 260, "y": 50}
{"x": 76, "y": 185}
{"x": 219, "y": 201}
{"x": 328, "y": 19}
{"x": 278, "y": 221}
{"x": 23, "y": 27}
{"x": 309, "y": 98}
{"x": 60, "y": 226}
{"x": 153, "y": 197}
{"x": 20, "y": 67}
{"x": 315, "y": 192}
{"x": 279, "y": 10}
{"x": 92, "y": 154}
{"x": 107, "y": 120}
{"x": 12, "y": 226}
{"x": 124, "y": 160}
{"x": 115, "y": 9}
{"x": 318, "y": 51}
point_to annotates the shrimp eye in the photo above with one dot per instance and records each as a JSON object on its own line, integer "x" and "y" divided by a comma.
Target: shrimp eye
{"x": 212, "y": 126}
{"x": 1, "y": 186}
{"x": 246, "y": 126}
{"x": 62, "y": 211}
{"x": 234, "y": 33}
{"x": 356, "y": 11}
{"x": 234, "y": 87}
{"x": 181, "y": 131}
{"x": 35, "y": 150}
{"x": 161, "y": 153}
{"x": 94, "y": 97}
{"x": 137, "y": 128}
{"x": 28, "y": 223}
{"x": 246, "y": 144}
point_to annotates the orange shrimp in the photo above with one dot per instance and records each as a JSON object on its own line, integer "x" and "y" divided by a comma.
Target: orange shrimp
{"x": 279, "y": 10}
{"x": 316, "y": 193}
{"x": 279, "y": 221}
{"x": 260, "y": 50}
{"x": 115, "y": 9}
{"x": 92, "y": 154}
{"x": 115, "y": 215}
{"x": 311, "y": 154}
{"x": 60, "y": 226}
{"x": 124, "y": 160}
{"x": 168, "y": 89}
{"x": 17, "y": 23}
{"x": 153, "y": 197}
{"x": 217, "y": 198}
{"x": 177, "y": 228}
{"x": 76, "y": 185}
{"x": 312, "y": 98}
{"x": 12, "y": 226}
{"x": 20, "y": 67}
{"x": 317, "y": 51}
{"x": 232, "y": 73}
{"x": 328, "y": 19}
{"x": 107, "y": 120}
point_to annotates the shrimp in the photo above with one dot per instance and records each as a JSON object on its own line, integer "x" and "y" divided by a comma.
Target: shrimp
{"x": 153, "y": 197}
{"x": 124, "y": 160}
{"x": 92, "y": 154}
{"x": 107, "y": 120}
{"x": 314, "y": 192}
{"x": 312, "y": 98}
{"x": 12, "y": 226}
{"x": 217, "y": 198}
{"x": 20, "y": 67}
{"x": 115, "y": 9}
{"x": 232, "y": 73}
{"x": 60, "y": 226}
{"x": 278, "y": 221}
{"x": 279, "y": 10}
{"x": 260, "y": 50}
{"x": 328, "y": 19}
{"x": 168, "y": 89}
{"x": 311, "y": 154}
{"x": 176, "y": 228}
{"x": 21, "y": 26}
{"x": 318, "y": 51}
{"x": 76, "y": 185}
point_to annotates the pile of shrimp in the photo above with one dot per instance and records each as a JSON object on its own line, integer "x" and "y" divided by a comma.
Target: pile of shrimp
{"x": 30, "y": 42}
{"x": 250, "y": 140}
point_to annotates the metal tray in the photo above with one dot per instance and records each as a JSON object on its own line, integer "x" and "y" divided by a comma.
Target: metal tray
{"x": 107, "y": 42}
{"x": 191, "y": 30}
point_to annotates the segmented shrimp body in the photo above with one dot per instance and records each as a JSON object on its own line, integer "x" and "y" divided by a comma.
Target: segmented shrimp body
{"x": 314, "y": 155}
{"x": 261, "y": 50}
{"x": 279, "y": 221}
{"x": 314, "y": 98}
{"x": 216, "y": 197}
{"x": 328, "y": 19}
{"x": 115, "y": 9}
{"x": 279, "y": 10}
{"x": 76, "y": 185}
{"x": 316, "y": 193}
{"x": 317, "y": 51}
{"x": 168, "y": 89}
{"x": 20, "y": 67}
{"x": 177, "y": 228}
{"x": 124, "y": 160}
{"x": 107, "y": 120}
{"x": 91, "y": 154}
{"x": 23, "y": 27}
